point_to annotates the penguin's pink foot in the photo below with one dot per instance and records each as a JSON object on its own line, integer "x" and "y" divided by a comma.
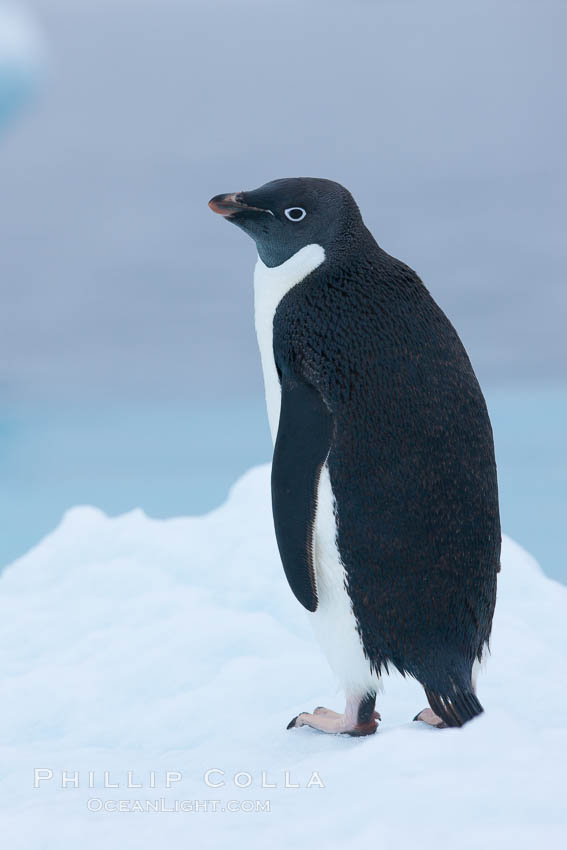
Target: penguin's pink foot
{"x": 359, "y": 718}
{"x": 326, "y": 720}
{"x": 322, "y": 710}
{"x": 428, "y": 716}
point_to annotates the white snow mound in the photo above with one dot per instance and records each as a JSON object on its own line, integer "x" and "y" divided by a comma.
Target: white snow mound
{"x": 176, "y": 646}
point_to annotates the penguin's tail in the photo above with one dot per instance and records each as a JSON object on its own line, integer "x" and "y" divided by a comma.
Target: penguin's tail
{"x": 456, "y": 707}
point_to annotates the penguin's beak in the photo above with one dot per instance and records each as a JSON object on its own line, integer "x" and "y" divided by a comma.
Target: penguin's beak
{"x": 228, "y": 205}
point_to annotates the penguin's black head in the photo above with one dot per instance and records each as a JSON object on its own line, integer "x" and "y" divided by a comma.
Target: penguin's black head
{"x": 285, "y": 215}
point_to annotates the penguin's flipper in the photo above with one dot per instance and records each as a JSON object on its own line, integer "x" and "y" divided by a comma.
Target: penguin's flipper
{"x": 302, "y": 445}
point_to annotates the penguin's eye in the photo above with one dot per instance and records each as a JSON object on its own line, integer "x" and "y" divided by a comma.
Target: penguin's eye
{"x": 295, "y": 213}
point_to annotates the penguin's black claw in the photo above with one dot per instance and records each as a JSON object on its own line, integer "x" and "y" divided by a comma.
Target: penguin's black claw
{"x": 291, "y": 724}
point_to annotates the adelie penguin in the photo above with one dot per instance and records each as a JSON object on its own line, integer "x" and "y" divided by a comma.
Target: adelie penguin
{"x": 384, "y": 486}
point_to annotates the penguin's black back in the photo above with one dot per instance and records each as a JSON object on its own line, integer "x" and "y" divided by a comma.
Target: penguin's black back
{"x": 411, "y": 464}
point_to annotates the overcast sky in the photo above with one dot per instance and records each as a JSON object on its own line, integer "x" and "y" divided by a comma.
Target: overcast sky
{"x": 445, "y": 119}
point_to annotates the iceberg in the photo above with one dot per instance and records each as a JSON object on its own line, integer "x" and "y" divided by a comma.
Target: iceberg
{"x": 21, "y": 59}
{"x": 149, "y": 669}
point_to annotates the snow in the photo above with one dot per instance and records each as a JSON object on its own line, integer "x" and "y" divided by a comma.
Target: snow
{"x": 132, "y": 644}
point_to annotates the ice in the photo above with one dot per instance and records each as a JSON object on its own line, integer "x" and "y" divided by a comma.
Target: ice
{"x": 155, "y": 646}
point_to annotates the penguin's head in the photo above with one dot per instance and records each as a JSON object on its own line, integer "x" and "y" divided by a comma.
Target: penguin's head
{"x": 284, "y": 216}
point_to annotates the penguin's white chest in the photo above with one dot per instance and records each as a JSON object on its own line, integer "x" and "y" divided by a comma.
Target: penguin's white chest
{"x": 333, "y": 621}
{"x": 270, "y": 286}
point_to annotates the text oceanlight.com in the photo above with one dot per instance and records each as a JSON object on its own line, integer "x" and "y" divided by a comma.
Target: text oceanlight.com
{"x": 96, "y": 804}
{"x": 221, "y": 782}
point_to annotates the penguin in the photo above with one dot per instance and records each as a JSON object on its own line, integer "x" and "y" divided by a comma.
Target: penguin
{"x": 384, "y": 486}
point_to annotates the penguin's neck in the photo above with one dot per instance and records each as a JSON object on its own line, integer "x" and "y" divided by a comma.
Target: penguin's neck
{"x": 270, "y": 286}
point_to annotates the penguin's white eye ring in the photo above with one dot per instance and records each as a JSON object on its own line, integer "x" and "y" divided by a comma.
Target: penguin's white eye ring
{"x": 295, "y": 213}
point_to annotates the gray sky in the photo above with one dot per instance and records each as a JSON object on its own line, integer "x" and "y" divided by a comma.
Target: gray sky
{"x": 445, "y": 120}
